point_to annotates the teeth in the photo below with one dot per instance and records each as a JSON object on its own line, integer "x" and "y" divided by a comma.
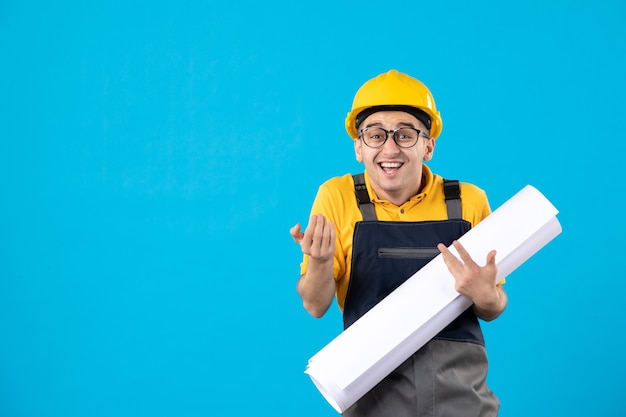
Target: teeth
{"x": 391, "y": 164}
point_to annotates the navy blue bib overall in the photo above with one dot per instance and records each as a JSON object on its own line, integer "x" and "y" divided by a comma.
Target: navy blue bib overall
{"x": 446, "y": 377}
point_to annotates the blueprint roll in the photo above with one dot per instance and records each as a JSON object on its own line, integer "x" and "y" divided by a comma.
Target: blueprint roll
{"x": 366, "y": 352}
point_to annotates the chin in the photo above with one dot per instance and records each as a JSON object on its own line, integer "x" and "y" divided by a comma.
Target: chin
{"x": 391, "y": 188}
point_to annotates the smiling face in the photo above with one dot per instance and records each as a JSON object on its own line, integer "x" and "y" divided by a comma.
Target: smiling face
{"x": 395, "y": 173}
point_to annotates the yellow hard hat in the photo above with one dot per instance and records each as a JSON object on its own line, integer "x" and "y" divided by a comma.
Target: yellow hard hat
{"x": 394, "y": 91}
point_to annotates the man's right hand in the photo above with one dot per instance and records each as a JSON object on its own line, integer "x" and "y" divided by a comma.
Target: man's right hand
{"x": 317, "y": 286}
{"x": 318, "y": 240}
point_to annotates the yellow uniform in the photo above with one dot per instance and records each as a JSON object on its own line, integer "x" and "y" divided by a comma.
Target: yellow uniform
{"x": 336, "y": 200}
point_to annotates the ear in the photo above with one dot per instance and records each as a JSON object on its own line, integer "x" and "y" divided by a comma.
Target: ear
{"x": 430, "y": 149}
{"x": 357, "y": 149}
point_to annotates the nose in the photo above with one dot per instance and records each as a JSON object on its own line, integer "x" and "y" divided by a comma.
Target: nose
{"x": 390, "y": 146}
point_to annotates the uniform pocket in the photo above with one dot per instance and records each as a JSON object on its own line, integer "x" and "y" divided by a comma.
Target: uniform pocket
{"x": 408, "y": 253}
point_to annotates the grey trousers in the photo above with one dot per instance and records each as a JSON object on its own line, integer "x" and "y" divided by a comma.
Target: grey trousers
{"x": 443, "y": 378}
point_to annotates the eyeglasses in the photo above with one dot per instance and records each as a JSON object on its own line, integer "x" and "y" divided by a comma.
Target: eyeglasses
{"x": 404, "y": 137}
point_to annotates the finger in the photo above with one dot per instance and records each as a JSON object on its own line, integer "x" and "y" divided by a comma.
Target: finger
{"x": 295, "y": 232}
{"x": 329, "y": 234}
{"x": 449, "y": 259}
{"x": 308, "y": 232}
{"x": 307, "y": 237}
{"x": 318, "y": 232}
{"x": 491, "y": 258}
{"x": 443, "y": 249}
{"x": 311, "y": 239}
{"x": 465, "y": 256}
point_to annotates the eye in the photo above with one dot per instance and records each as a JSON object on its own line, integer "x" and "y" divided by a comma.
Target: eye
{"x": 376, "y": 134}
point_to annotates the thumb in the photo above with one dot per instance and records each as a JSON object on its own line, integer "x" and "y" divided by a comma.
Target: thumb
{"x": 296, "y": 233}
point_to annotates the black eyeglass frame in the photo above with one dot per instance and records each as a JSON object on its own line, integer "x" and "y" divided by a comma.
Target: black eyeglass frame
{"x": 393, "y": 132}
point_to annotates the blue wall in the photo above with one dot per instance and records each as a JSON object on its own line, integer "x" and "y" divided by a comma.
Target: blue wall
{"x": 153, "y": 156}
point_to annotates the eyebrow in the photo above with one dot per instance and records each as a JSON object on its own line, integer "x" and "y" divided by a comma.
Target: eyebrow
{"x": 400, "y": 124}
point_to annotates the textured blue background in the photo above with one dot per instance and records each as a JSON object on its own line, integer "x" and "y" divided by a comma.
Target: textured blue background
{"x": 154, "y": 154}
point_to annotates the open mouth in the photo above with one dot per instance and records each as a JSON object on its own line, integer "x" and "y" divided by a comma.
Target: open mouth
{"x": 390, "y": 168}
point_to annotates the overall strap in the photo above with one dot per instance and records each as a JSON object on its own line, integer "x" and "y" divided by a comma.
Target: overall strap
{"x": 452, "y": 191}
{"x": 363, "y": 198}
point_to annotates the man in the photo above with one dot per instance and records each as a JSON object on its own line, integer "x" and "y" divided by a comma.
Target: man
{"x": 369, "y": 233}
